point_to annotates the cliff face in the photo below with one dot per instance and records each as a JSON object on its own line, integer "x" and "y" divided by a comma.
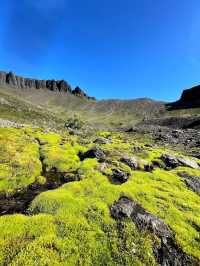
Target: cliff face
{"x": 54, "y": 85}
{"x": 191, "y": 96}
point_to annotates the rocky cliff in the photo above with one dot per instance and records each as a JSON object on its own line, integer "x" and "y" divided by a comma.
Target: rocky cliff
{"x": 191, "y": 97}
{"x": 15, "y": 81}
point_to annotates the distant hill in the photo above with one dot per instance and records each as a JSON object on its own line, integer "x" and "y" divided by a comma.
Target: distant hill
{"x": 63, "y": 105}
{"x": 52, "y": 102}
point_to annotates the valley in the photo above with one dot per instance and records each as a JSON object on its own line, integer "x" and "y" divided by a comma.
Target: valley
{"x": 88, "y": 182}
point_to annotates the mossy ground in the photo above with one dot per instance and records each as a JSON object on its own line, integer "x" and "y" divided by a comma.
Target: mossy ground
{"x": 72, "y": 225}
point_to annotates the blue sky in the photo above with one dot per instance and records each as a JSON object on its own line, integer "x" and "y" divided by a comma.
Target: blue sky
{"x": 111, "y": 48}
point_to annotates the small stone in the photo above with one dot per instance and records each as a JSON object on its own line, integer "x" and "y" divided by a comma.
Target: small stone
{"x": 101, "y": 140}
{"x": 130, "y": 161}
{"x": 119, "y": 176}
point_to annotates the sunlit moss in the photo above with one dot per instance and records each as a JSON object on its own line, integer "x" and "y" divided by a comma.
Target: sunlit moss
{"x": 72, "y": 225}
{"x": 19, "y": 157}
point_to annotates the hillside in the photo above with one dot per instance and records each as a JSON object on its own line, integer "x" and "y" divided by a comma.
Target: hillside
{"x": 102, "y": 198}
{"x": 29, "y": 99}
{"x": 118, "y": 186}
{"x": 64, "y": 105}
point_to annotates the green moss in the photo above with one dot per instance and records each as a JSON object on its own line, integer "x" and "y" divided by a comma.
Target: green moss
{"x": 19, "y": 157}
{"x": 64, "y": 158}
{"x": 41, "y": 180}
{"x": 72, "y": 225}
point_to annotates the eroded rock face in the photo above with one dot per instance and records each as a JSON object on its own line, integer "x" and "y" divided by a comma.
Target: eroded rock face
{"x": 2, "y": 77}
{"x": 189, "y": 98}
{"x": 173, "y": 162}
{"x": 168, "y": 253}
{"x": 54, "y": 85}
{"x": 78, "y": 92}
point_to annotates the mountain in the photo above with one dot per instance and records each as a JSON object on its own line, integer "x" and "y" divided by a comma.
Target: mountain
{"x": 32, "y": 101}
{"x": 190, "y": 98}
{"x": 57, "y": 98}
{"x": 15, "y": 81}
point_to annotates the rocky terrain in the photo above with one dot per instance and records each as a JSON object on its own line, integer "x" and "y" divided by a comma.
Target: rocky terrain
{"x": 15, "y": 81}
{"x": 97, "y": 198}
{"x": 77, "y": 191}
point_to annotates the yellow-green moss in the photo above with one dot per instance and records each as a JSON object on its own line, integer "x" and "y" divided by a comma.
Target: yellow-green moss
{"x": 19, "y": 160}
{"x": 72, "y": 225}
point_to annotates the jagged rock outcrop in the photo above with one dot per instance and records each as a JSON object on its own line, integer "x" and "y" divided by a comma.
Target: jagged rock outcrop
{"x": 190, "y": 98}
{"x": 54, "y": 85}
{"x": 80, "y": 93}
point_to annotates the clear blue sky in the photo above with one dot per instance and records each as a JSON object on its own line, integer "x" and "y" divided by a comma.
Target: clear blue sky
{"x": 110, "y": 48}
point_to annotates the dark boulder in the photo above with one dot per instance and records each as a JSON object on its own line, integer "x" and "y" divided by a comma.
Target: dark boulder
{"x": 126, "y": 208}
{"x": 119, "y": 177}
{"x": 170, "y": 161}
{"x": 94, "y": 152}
{"x": 193, "y": 182}
{"x": 130, "y": 161}
{"x": 173, "y": 161}
{"x": 168, "y": 253}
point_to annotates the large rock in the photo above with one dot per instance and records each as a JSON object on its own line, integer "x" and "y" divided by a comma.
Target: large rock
{"x": 119, "y": 176}
{"x": 94, "y": 152}
{"x": 168, "y": 253}
{"x": 173, "y": 161}
{"x": 132, "y": 162}
{"x": 126, "y": 208}
{"x": 193, "y": 182}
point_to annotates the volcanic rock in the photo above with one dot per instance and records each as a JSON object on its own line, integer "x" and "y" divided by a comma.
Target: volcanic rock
{"x": 193, "y": 182}
{"x": 94, "y": 152}
{"x": 173, "y": 161}
{"x": 168, "y": 253}
{"x": 130, "y": 161}
{"x": 119, "y": 176}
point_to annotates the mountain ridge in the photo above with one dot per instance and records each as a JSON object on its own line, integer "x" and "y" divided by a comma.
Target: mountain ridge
{"x": 11, "y": 79}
